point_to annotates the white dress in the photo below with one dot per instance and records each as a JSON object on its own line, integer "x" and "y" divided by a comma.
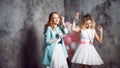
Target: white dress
{"x": 58, "y": 58}
{"x": 86, "y": 52}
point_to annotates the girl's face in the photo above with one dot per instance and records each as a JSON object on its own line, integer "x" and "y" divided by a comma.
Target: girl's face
{"x": 89, "y": 24}
{"x": 56, "y": 19}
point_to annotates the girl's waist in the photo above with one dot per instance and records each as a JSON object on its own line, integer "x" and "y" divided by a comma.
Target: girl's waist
{"x": 86, "y": 42}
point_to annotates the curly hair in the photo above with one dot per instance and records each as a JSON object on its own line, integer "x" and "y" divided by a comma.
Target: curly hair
{"x": 84, "y": 19}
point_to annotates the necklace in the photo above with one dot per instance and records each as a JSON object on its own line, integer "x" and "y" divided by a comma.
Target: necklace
{"x": 90, "y": 38}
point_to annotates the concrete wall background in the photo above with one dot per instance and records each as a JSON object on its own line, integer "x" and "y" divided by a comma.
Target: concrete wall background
{"x": 21, "y": 31}
{"x": 22, "y": 22}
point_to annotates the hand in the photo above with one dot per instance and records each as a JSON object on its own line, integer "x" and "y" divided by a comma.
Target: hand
{"x": 63, "y": 23}
{"x": 77, "y": 14}
{"x": 100, "y": 28}
{"x": 60, "y": 34}
{"x": 63, "y": 19}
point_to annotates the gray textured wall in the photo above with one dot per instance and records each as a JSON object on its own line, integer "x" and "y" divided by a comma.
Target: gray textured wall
{"x": 21, "y": 31}
{"x": 107, "y": 13}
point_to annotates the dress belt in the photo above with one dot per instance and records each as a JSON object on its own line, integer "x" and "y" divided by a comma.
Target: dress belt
{"x": 86, "y": 42}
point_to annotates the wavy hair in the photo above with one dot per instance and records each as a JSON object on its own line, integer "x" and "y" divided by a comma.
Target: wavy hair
{"x": 84, "y": 19}
{"x": 51, "y": 22}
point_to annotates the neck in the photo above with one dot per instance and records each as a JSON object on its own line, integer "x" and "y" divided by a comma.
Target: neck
{"x": 88, "y": 27}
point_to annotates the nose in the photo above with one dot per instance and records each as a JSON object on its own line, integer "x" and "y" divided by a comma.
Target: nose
{"x": 55, "y": 19}
{"x": 88, "y": 25}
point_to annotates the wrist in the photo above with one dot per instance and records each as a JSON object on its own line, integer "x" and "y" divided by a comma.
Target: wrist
{"x": 101, "y": 31}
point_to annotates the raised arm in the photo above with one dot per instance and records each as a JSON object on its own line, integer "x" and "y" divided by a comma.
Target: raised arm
{"x": 99, "y": 38}
{"x": 75, "y": 28}
{"x": 65, "y": 28}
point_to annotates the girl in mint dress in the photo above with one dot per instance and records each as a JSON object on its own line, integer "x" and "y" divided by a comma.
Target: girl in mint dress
{"x": 55, "y": 53}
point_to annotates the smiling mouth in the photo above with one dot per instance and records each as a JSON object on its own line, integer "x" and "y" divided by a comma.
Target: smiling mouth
{"x": 88, "y": 26}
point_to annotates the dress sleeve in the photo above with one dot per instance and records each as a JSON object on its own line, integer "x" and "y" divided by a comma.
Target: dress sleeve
{"x": 47, "y": 36}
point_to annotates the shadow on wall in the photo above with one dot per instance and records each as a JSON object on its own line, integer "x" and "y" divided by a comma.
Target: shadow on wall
{"x": 30, "y": 50}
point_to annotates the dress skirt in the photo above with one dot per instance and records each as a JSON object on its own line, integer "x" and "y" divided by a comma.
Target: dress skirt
{"x": 87, "y": 54}
{"x": 58, "y": 58}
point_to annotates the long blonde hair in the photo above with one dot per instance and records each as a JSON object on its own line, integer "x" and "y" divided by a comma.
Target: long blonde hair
{"x": 84, "y": 19}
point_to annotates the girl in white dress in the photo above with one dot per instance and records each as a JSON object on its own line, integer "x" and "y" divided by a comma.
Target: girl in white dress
{"x": 86, "y": 54}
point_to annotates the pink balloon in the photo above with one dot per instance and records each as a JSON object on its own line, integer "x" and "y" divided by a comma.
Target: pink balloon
{"x": 75, "y": 36}
{"x": 67, "y": 39}
{"x": 67, "y": 24}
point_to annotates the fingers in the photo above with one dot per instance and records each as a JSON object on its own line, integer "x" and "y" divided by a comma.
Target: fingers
{"x": 100, "y": 28}
{"x": 60, "y": 34}
{"x": 77, "y": 14}
{"x": 62, "y": 21}
{"x": 63, "y": 18}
